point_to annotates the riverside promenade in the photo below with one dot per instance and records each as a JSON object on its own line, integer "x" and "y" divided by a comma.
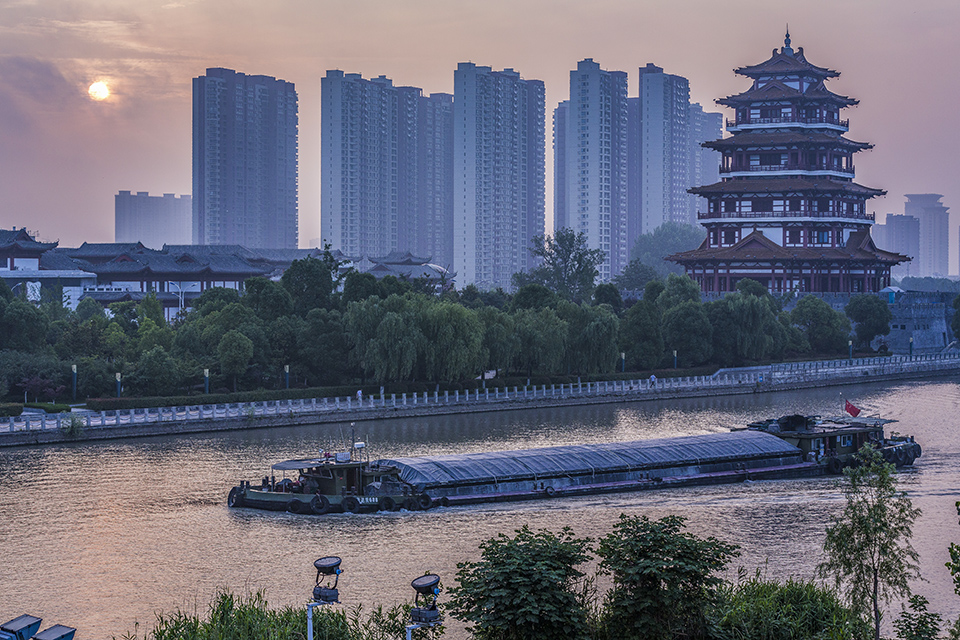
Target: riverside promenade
{"x": 33, "y": 429}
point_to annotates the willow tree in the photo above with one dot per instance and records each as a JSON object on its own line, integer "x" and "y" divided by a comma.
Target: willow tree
{"x": 868, "y": 546}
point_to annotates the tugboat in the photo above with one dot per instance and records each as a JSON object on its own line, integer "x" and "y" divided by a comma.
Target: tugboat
{"x": 834, "y": 441}
{"x": 333, "y": 482}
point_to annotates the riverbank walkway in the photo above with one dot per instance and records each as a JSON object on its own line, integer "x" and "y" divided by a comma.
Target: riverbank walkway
{"x": 32, "y": 428}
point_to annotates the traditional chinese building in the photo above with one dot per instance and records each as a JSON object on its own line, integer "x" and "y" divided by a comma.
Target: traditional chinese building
{"x": 787, "y": 211}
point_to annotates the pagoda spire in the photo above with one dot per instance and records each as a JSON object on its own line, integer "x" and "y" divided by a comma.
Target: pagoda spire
{"x": 787, "y": 49}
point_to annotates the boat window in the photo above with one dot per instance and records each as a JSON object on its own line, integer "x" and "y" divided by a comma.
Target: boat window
{"x": 846, "y": 441}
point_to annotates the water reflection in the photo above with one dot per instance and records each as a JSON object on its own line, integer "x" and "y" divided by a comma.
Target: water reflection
{"x": 101, "y": 535}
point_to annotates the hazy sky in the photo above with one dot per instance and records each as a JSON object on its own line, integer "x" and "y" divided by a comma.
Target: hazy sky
{"x": 63, "y": 156}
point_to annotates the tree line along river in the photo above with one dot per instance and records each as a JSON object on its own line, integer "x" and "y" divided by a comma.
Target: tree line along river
{"x": 102, "y": 535}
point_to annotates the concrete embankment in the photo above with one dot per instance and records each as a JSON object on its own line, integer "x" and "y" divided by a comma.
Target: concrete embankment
{"x": 35, "y": 429}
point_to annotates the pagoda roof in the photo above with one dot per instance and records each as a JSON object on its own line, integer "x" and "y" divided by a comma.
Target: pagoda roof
{"x": 778, "y": 91}
{"x": 786, "y": 61}
{"x": 19, "y": 239}
{"x": 756, "y": 247}
{"x": 763, "y": 139}
{"x": 784, "y": 185}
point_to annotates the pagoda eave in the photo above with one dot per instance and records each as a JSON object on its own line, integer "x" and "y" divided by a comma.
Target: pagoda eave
{"x": 760, "y": 185}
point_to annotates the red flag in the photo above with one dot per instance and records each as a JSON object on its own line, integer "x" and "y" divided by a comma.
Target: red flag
{"x": 852, "y": 410}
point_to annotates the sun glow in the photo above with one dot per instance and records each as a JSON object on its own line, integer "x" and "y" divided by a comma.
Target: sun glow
{"x": 99, "y": 91}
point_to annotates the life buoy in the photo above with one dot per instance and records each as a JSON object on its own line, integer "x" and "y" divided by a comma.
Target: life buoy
{"x": 834, "y": 465}
{"x": 425, "y": 501}
{"x": 235, "y": 498}
{"x": 319, "y": 504}
{"x": 295, "y": 506}
{"x": 387, "y": 503}
{"x": 550, "y": 491}
{"x": 350, "y": 504}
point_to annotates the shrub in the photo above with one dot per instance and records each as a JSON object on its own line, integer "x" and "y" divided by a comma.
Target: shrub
{"x": 49, "y": 407}
{"x": 10, "y": 409}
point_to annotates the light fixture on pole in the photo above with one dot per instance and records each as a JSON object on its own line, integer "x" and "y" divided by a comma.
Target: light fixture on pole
{"x": 118, "y": 384}
{"x": 286, "y": 372}
{"x": 427, "y": 614}
{"x": 324, "y": 593}
{"x": 73, "y": 370}
{"x": 850, "y": 344}
{"x": 206, "y": 380}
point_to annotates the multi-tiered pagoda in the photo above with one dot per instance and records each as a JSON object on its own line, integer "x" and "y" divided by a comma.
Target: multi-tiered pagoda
{"x": 787, "y": 212}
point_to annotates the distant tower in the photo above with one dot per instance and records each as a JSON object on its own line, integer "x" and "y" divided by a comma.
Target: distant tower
{"x": 590, "y": 163}
{"x": 498, "y": 165}
{"x": 152, "y": 220}
{"x": 900, "y": 234}
{"x": 244, "y": 160}
{"x": 703, "y": 163}
{"x": 386, "y": 162}
{"x": 787, "y": 212}
{"x": 934, "y": 232}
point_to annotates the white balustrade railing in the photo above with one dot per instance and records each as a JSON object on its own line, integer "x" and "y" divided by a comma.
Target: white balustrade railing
{"x": 768, "y": 376}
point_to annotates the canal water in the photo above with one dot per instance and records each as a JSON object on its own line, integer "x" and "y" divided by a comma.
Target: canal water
{"x": 102, "y": 536}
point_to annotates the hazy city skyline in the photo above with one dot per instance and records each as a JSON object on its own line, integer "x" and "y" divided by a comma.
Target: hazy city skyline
{"x": 64, "y": 155}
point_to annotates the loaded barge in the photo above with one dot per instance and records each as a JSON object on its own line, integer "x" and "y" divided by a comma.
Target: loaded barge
{"x": 788, "y": 447}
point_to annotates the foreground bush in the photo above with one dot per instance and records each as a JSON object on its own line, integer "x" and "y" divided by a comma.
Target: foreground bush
{"x": 249, "y": 618}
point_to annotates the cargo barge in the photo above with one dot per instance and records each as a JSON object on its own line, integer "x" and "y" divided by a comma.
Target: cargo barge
{"x": 788, "y": 447}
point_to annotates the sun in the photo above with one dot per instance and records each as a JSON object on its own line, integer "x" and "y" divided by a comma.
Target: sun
{"x": 99, "y": 91}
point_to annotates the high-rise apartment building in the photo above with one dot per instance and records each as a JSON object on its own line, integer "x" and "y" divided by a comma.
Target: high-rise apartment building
{"x": 498, "y": 173}
{"x": 663, "y": 118}
{"x": 152, "y": 220}
{"x": 244, "y": 160}
{"x": 386, "y": 168}
{"x": 900, "y": 234}
{"x": 934, "y": 232}
{"x": 703, "y": 163}
{"x": 590, "y": 157}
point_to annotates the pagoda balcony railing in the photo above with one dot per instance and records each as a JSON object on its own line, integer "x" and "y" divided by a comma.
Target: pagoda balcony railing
{"x": 733, "y": 215}
{"x": 788, "y": 120}
{"x": 787, "y": 167}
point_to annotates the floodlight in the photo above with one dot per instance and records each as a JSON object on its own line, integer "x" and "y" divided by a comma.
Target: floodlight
{"x": 426, "y": 586}
{"x": 327, "y": 566}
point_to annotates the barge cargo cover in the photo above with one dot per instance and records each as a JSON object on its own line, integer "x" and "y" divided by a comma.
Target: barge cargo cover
{"x": 600, "y": 468}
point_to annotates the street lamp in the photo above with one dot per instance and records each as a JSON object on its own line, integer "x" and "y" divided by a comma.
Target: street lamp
{"x": 674, "y": 358}
{"x": 180, "y": 290}
{"x": 118, "y": 384}
{"x": 206, "y": 381}
{"x": 427, "y": 614}
{"x": 911, "y": 346}
{"x": 73, "y": 370}
{"x": 286, "y": 372}
{"x": 324, "y": 593}
{"x": 623, "y": 361}
{"x": 850, "y": 344}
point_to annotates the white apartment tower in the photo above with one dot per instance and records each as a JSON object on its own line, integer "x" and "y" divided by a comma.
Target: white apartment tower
{"x": 498, "y": 172}
{"x": 934, "y": 219}
{"x": 590, "y": 147}
{"x": 664, "y": 119}
{"x": 385, "y": 168}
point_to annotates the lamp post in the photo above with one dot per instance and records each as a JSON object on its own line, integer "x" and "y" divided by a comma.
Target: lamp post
{"x": 425, "y": 615}
{"x": 206, "y": 381}
{"x": 850, "y": 344}
{"x": 118, "y": 384}
{"x": 324, "y": 594}
{"x": 674, "y": 358}
{"x": 623, "y": 361}
{"x": 911, "y": 346}
{"x": 73, "y": 370}
{"x": 286, "y": 373}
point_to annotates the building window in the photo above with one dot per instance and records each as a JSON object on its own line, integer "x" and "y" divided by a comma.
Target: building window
{"x": 793, "y": 236}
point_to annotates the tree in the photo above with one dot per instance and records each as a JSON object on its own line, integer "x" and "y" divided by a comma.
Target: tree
{"x": 533, "y": 296}
{"x": 917, "y": 623}
{"x": 155, "y": 374}
{"x": 635, "y": 276}
{"x": 607, "y": 293}
{"x": 826, "y": 330}
{"x": 677, "y": 290}
{"x": 500, "y": 341}
{"x": 358, "y": 287}
{"x": 953, "y": 565}
{"x": 687, "y": 330}
{"x": 235, "y": 351}
{"x": 523, "y": 588}
{"x": 23, "y": 327}
{"x": 268, "y": 299}
{"x": 89, "y": 308}
{"x": 664, "y": 579}
{"x": 669, "y": 238}
{"x": 640, "y": 336}
{"x": 569, "y": 267}
{"x": 309, "y": 283}
{"x": 541, "y": 336}
{"x": 868, "y": 546}
{"x": 151, "y": 308}
{"x": 871, "y": 317}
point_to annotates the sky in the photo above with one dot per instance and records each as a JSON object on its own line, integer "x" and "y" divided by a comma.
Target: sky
{"x": 64, "y": 156}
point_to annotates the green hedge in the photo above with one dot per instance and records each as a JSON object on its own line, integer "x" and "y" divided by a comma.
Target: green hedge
{"x": 49, "y": 407}
{"x": 9, "y": 409}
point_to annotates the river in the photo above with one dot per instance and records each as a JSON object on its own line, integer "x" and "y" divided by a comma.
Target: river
{"x": 101, "y": 536}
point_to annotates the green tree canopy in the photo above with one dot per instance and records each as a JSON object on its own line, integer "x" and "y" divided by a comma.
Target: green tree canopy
{"x": 89, "y": 308}
{"x": 667, "y": 239}
{"x": 635, "y": 276}
{"x": 677, "y": 290}
{"x": 23, "y": 327}
{"x": 310, "y": 283}
{"x": 871, "y": 317}
{"x": 867, "y": 547}
{"x": 641, "y": 337}
{"x": 608, "y": 294}
{"x": 235, "y": 351}
{"x": 568, "y": 268}
{"x": 268, "y": 299}
{"x": 358, "y": 287}
{"x": 825, "y": 329}
{"x": 664, "y": 579}
{"x": 687, "y": 330}
{"x": 524, "y": 587}
{"x": 533, "y": 296}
